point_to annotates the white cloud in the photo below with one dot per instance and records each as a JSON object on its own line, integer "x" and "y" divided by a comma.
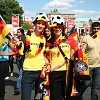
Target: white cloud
{"x": 30, "y": 14}
{"x": 64, "y": 7}
{"x": 84, "y": 13}
{"x": 67, "y": 0}
{"x": 61, "y": 4}
{"x": 81, "y": 1}
{"x": 96, "y": 17}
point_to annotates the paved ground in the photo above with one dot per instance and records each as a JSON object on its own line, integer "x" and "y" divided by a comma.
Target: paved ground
{"x": 10, "y": 85}
{"x": 11, "y": 82}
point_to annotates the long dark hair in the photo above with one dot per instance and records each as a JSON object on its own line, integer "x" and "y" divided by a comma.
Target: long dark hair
{"x": 22, "y": 30}
{"x": 52, "y": 34}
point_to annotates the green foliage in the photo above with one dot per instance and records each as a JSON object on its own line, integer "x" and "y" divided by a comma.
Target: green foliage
{"x": 26, "y": 26}
{"x": 10, "y": 7}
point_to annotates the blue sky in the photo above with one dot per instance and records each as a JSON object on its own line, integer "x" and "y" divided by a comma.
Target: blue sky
{"x": 81, "y": 8}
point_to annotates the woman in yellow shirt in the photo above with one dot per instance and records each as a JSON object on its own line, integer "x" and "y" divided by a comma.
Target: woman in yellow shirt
{"x": 34, "y": 57}
{"x": 59, "y": 62}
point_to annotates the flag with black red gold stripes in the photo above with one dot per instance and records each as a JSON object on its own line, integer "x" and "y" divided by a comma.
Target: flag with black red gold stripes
{"x": 43, "y": 91}
{"x": 75, "y": 95}
{"x": 73, "y": 86}
{"x": 4, "y": 30}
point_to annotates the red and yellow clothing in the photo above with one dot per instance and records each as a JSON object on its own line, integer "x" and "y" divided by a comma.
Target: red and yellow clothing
{"x": 57, "y": 59}
{"x": 32, "y": 62}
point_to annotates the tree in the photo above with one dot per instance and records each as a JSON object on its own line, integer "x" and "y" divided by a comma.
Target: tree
{"x": 26, "y": 26}
{"x": 10, "y": 7}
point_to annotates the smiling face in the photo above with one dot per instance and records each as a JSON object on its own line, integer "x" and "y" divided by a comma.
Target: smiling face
{"x": 40, "y": 25}
{"x": 58, "y": 30}
{"x": 19, "y": 33}
{"x": 47, "y": 32}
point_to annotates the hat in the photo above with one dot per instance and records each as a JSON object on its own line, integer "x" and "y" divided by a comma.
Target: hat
{"x": 41, "y": 16}
{"x": 57, "y": 20}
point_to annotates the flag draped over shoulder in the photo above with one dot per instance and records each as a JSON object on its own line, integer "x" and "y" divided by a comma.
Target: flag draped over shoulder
{"x": 71, "y": 90}
{"x": 4, "y": 30}
{"x": 74, "y": 33}
{"x": 72, "y": 38}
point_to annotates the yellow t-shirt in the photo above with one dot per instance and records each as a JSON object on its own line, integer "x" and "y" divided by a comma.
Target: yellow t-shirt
{"x": 31, "y": 62}
{"x": 59, "y": 59}
{"x": 92, "y": 50}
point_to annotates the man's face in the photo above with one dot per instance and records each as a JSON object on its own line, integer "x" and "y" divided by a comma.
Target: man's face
{"x": 95, "y": 29}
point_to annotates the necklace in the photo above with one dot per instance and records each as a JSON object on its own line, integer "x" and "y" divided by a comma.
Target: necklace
{"x": 39, "y": 48}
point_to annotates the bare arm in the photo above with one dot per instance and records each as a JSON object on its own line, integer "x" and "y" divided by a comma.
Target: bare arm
{"x": 10, "y": 45}
{"x": 72, "y": 54}
{"x": 7, "y": 54}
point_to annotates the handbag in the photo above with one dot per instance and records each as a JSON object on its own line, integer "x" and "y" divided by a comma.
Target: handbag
{"x": 81, "y": 69}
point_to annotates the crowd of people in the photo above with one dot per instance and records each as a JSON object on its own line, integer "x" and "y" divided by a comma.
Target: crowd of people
{"x": 47, "y": 46}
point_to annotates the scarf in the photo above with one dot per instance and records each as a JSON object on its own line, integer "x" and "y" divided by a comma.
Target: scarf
{"x": 43, "y": 91}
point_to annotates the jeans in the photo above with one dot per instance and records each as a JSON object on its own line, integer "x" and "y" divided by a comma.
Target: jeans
{"x": 11, "y": 59}
{"x": 19, "y": 79}
{"x": 94, "y": 83}
{"x": 28, "y": 79}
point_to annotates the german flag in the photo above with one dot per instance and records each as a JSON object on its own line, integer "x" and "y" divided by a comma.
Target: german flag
{"x": 46, "y": 95}
{"x": 75, "y": 95}
{"x": 73, "y": 86}
{"x": 74, "y": 33}
{"x": 4, "y": 30}
{"x": 72, "y": 38}
{"x": 43, "y": 91}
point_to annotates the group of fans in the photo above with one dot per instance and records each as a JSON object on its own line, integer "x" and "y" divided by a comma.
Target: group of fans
{"x": 60, "y": 66}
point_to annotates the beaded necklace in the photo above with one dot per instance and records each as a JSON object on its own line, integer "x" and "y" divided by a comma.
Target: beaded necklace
{"x": 39, "y": 48}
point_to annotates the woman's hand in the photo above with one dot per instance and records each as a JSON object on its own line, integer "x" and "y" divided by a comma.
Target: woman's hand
{"x": 81, "y": 45}
{"x": 16, "y": 39}
{"x": 2, "y": 53}
{"x": 47, "y": 68}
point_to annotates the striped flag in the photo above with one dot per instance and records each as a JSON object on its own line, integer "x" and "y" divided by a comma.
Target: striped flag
{"x": 4, "y": 30}
{"x": 43, "y": 91}
{"x": 72, "y": 38}
{"x": 74, "y": 33}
